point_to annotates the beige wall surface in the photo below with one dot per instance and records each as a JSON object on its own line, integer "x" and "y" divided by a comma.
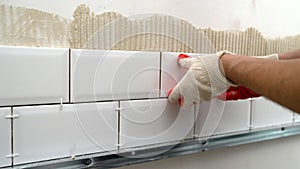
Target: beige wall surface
{"x": 271, "y": 17}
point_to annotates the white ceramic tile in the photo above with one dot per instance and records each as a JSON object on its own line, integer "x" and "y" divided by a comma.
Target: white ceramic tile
{"x": 114, "y": 75}
{"x": 219, "y": 117}
{"x": 145, "y": 122}
{"x": 45, "y": 132}
{"x": 5, "y": 139}
{"x": 266, "y": 113}
{"x": 33, "y": 75}
{"x": 296, "y": 117}
{"x": 171, "y": 72}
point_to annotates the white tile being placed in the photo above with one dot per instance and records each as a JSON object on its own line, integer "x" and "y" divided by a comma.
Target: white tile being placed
{"x": 171, "y": 71}
{"x": 33, "y": 75}
{"x": 222, "y": 117}
{"x": 5, "y": 137}
{"x": 46, "y": 132}
{"x": 113, "y": 75}
{"x": 145, "y": 122}
{"x": 266, "y": 113}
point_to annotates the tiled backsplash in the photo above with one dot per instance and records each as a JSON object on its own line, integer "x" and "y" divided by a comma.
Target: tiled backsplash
{"x": 68, "y": 102}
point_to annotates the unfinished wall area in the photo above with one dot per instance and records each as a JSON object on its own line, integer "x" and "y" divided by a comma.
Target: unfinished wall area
{"x": 30, "y": 27}
{"x": 111, "y": 30}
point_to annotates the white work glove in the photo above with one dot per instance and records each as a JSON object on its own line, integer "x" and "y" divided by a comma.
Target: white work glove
{"x": 203, "y": 81}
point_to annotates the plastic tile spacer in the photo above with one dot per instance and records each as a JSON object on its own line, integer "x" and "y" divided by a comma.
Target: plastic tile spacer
{"x": 118, "y": 145}
{"x": 61, "y": 104}
{"x": 12, "y": 116}
{"x": 12, "y": 155}
{"x": 119, "y": 109}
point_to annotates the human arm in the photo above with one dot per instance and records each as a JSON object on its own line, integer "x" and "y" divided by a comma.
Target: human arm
{"x": 289, "y": 55}
{"x": 241, "y": 92}
{"x": 273, "y": 79}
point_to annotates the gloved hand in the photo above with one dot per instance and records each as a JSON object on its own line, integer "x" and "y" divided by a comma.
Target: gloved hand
{"x": 240, "y": 92}
{"x": 203, "y": 81}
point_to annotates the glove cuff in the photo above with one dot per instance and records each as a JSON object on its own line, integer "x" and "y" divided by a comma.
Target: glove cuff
{"x": 215, "y": 72}
{"x": 221, "y": 53}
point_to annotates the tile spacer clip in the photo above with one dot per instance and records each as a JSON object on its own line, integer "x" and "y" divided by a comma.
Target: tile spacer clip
{"x": 118, "y": 145}
{"x": 12, "y": 155}
{"x": 12, "y": 116}
{"x": 61, "y": 104}
{"x": 119, "y": 109}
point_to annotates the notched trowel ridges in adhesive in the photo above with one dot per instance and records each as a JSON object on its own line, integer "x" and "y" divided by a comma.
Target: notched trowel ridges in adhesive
{"x": 110, "y": 30}
{"x": 30, "y": 27}
{"x": 88, "y": 30}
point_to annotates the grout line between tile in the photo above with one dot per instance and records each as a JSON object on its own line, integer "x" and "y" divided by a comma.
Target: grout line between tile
{"x": 119, "y": 125}
{"x": 69, "y": 75}
{"x": 12, "y": 136}
{"x": 251, "y": 113}
{"x": 195, "y": 119}
{"x": 159, "y": 81}
{"x": 100, "y": 101}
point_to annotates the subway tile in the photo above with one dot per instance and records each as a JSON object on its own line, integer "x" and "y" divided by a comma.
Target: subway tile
{"x": 33, "y": 75}
{"x": 146, "y": 122}
{"x": 5, "y": 139}
{"x": 266, "y": 113}
{"x": 222, "y": 117}
{"x": 47, "y": 132}
{"x": 114, "y": 75}
{"x": 171, "y": 71}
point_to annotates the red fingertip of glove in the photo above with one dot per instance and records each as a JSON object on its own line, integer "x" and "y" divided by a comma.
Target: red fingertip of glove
{"x": 183, "y": 56}
{"x": 169, "y": 92}
{"x": 247, "y": 93}
{"x": 231, "y": 94}
{"x": 239, "y": 92}
{"x": 180, "y": 101}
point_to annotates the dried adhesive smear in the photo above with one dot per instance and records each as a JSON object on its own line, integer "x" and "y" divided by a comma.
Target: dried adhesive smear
{"x": 110, "y": 30}
{"x": 29, "y": 27}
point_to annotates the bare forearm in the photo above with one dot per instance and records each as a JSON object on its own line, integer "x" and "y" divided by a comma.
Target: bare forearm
{"x": 276, "y": 80}
{"x": 289, "y": 55}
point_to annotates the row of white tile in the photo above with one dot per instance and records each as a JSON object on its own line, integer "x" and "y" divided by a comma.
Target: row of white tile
{"x": 48, "y": 132}
{"x": 53, "y": 75}
{"x": 46, "y": 75}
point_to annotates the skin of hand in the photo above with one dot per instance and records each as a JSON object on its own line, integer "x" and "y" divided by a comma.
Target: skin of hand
{"x": 274, "y": 79}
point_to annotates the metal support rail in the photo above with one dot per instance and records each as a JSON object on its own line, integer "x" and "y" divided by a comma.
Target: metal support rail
{"x": 162, "y": 151}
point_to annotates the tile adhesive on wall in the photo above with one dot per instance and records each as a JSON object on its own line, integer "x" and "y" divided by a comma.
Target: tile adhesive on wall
{"x": 110, "y": 30}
